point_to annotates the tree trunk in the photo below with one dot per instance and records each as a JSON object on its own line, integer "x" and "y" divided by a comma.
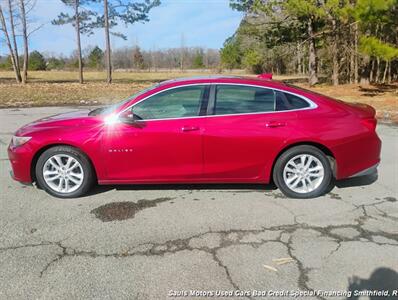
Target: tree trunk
{"x": 108, "y": 44}
{"x": 356, "y": 53}
{"x": 298, "y": 59}
{"x": 8, "y": 42}
{"x": 79, "y": 46}
{"x": 312, "y": 56}
{"x": 372, "y": 71}
{"x": 14, "y": 40}
{"x": 351, "y": 70}
{"x": 385, "y": 72}
{"x": 335, "y": 58}
{"x": 389, "y": 73}
{"x": 352, "y": 55}
{"x": 182, "y": 52}
{"x": 25, "y": 42}
{"x": 378, "y": 70}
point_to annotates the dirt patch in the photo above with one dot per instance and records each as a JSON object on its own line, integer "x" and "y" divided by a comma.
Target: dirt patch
{"x": 119, "y": 211}
{"x": 384, "y": 98}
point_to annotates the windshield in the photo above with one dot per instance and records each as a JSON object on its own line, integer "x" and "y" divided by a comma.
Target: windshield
{"x": 111, "y": 108}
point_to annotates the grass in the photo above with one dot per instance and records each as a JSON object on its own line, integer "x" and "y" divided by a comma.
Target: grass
{"x": 50, "y": 88}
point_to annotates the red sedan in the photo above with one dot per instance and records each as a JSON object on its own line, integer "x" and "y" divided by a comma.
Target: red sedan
{"x": 202, "y": 130}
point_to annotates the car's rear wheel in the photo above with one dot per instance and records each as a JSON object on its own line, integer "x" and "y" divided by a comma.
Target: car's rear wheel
{"x": 64, "y": 172}
{"x": 302, "y": 172}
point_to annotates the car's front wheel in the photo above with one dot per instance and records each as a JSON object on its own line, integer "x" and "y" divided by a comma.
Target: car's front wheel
{"x": 303, "y": 172}
{"x": 64, "y": 172}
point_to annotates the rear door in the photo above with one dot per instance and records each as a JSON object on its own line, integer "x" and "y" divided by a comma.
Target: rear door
{"x": 243, "y": 133}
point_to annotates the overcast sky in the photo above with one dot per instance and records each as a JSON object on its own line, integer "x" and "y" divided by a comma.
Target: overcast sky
{"x": 205, "y": 23}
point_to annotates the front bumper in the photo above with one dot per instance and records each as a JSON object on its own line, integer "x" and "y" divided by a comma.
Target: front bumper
{"x": 20, "y": 159}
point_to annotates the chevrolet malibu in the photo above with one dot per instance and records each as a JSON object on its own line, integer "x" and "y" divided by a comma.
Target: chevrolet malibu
{"x": 202, "y": 130}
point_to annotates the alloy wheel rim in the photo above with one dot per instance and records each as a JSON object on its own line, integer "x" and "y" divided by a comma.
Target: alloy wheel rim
{"x": 303, "y": 173}
{"x": 63, "y": 173}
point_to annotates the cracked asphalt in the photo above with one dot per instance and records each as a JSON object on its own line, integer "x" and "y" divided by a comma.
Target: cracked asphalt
{"x": 197, "y": 238}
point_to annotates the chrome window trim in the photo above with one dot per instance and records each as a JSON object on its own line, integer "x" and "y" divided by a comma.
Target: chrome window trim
{"x": 312, "y": 105}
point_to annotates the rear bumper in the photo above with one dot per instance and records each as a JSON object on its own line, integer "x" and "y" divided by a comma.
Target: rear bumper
{"x": 368, "y": 171}
{"x": 358, "y": 155}
{"x": 20, "y": 159}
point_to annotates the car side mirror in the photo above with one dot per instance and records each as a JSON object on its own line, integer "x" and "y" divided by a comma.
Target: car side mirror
{"x": 127, "y": 117}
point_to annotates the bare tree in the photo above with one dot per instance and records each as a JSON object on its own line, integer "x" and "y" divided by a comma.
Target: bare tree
{"x": 116, "y": 11}
{"x": 11, "y": 13}
{"x": 79, "y": 45}
{"x": 25, "y": 40}
{"x": 108, "y": 44}
{"x": 182, "y": 51}
{"x": 80, "y": 20}
{"x": 9, "y": 45}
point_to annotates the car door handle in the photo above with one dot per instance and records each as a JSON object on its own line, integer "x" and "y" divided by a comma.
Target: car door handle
{"x": 274, "y": 124}
{"x": 189, "y": 128}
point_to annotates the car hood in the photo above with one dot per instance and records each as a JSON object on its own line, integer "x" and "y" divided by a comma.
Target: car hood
{"x": 69, "y": 119}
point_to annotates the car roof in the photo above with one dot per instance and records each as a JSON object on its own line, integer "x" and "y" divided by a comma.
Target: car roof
{"x": 240, "y": 80}
{"x": 249, "y": 80}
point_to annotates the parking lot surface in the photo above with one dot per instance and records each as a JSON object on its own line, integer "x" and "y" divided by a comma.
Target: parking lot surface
{"x": 197, "y": 241}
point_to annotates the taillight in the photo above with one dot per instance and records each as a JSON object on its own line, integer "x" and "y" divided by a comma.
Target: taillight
{"x": 370, "y": 123}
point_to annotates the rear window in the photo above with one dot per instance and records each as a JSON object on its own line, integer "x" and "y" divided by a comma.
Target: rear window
{"x": 286, "y": 101}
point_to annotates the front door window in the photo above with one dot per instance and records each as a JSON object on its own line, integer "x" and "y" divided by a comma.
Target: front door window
{"x": 174, "y": 103}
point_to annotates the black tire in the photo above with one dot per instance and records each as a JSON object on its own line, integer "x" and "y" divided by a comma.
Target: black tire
{"x": 291, "y": 153}
{"x": 88, "y": 178}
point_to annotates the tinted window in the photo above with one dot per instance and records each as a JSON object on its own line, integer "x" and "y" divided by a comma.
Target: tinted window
{"x": 232, "y": 99}
{"x": 286, "y": 101}
{"x": 174, "y": 103}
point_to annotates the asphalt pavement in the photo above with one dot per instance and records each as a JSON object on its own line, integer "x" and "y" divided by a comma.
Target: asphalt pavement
{"x": 223, "y": 241}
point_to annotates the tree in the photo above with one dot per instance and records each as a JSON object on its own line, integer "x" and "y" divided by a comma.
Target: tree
{"x": 36, "y": 61}
{"x": 340, "y": 38}
{"x": 17, "y": 11}
{"x": 95, "y": 58}
{"x": 6, "y": 63}
{"x": 334, "y": 10}
{"x": 54, "y": 63}
{"x": 230, "y": 54}
{"x": 252, "y": 60}
{"x": 12, "y": 50}
{"x": 11, "y": 12}
{"x": 378, "y": 23}
{"x": 280, "y": 17}
{"x": 310, "y": 13}
{"x": 80, "y": 20}
{"x": 22, "y": 9}
{"x": 138, "y": 58}
{"x": 198, "y": 60}
{"x": 116, "y": 11}
{"x": 374, "y": 48}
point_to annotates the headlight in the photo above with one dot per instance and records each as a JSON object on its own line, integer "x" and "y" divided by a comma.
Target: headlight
{"x": 19, "y": 140}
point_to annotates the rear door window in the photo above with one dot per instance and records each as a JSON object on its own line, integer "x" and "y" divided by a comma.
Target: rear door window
{"x": 235, "y": 99}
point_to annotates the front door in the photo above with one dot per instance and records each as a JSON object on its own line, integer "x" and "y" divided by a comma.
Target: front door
{"x": 165, "y": 145}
